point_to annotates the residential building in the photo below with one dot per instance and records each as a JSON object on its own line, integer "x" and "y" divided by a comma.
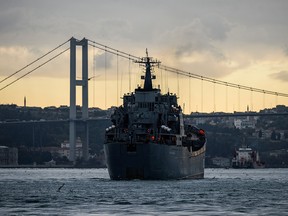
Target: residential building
{"x": 65, "y": 149}
{"x": 8, "y": 156}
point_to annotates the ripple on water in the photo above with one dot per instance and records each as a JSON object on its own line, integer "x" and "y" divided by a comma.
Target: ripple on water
{"x": 231, "y": 192}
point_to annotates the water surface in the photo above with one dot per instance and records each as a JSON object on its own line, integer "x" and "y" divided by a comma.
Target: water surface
{"x": 91, "y": 192}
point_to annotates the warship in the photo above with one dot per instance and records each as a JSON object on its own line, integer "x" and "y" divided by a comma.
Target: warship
{"x": 148, "y": 138}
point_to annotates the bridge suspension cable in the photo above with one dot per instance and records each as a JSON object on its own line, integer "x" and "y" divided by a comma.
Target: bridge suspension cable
{"x": 113, "y": 51}
{"x": 185, "y": 73}
{"x": 18, "y": 71}
{"x": 135, "y": 58}
{"x": 219, "y": 82}
{"x": 29, "y": 72}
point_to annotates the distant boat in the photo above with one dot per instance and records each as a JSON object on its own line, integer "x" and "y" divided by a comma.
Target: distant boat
{"x": 245, "y": 157}
{"x": 149, "y": 139}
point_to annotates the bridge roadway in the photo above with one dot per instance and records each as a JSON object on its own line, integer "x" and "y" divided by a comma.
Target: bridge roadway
{"x": 195, "y": 115}
{"x": 220, "y": 115}
{"x": 43, "y": 121}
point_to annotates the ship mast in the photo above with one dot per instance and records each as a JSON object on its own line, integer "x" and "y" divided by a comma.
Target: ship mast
{"x": 149, "y": 63}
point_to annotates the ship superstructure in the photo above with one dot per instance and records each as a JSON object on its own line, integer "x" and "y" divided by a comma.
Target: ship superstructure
{"x": 148, "y": 138}
{"x": 245, "y": 157}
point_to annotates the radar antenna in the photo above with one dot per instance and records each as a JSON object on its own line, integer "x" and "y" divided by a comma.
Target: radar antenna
{"x": 148, "y": 63}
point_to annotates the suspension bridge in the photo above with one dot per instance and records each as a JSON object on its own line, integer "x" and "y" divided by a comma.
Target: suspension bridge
{"x": 191, "y": 87}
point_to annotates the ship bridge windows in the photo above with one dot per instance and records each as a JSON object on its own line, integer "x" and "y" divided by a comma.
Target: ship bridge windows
{"x": 146, "y": 105}
{"x": 164, "y": 99}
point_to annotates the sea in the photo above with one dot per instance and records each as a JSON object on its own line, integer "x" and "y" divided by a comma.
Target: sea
{"x": 59, "y": 191}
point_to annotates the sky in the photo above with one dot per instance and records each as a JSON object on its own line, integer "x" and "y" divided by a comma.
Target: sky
{"x": 243, "y": 42}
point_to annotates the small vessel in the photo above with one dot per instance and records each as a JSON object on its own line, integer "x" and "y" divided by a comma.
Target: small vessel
{"x": 148, "y": 138}
{"x": 245, "y": 157}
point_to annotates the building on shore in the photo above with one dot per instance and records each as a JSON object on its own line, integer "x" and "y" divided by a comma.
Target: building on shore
{"x": 65, "y": 148}
{"x": 8, "y": 156}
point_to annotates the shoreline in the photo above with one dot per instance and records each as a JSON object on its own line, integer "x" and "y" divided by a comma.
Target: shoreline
{"x": 49, "y": 166}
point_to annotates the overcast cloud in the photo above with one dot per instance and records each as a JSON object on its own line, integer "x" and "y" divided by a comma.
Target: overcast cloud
{"x": 217, "y": 37}
{"x": 282, "y": 76}
{"x": 238, "y": 41}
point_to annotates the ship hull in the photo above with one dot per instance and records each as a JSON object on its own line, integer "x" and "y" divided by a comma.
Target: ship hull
{"x": 152, "y": 161}
{"x": 253, "y": 165}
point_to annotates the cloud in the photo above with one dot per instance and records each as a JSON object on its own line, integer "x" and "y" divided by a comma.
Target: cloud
{"x": 202, "y": 35}
{"x": 286, "y": 50}
{"x": 282, "y": 76}
{"x": 14, "y": 58}
{"x": 197, "y": 34}
{"x": 112, "y": 29}
{"x": 199, "y": 37}
{"x": 194, "y": 45}
{"x": 103, "y": 61}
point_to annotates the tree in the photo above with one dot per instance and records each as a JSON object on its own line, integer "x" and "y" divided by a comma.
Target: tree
{"x": 273, "y": 135}
{"x": 260, "y": 134}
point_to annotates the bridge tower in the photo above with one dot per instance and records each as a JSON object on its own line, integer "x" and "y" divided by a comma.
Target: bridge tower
{"x": 73, "y": 83}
